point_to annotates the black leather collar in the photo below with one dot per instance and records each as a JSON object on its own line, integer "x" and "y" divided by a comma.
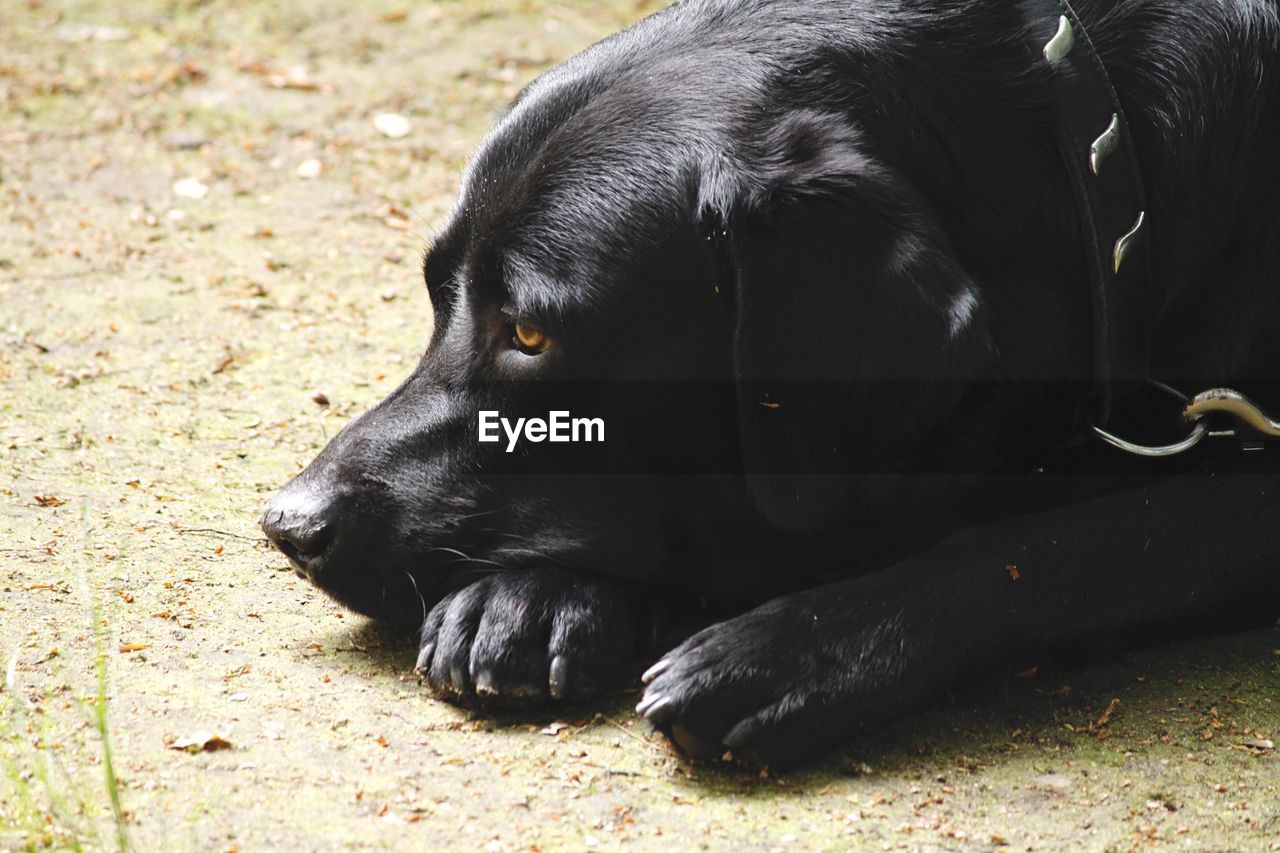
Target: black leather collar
{"x": 1102, "y": 164}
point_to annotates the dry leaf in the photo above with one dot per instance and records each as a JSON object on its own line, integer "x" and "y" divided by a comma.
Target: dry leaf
{"x": 199, "y": 741}
{"x": 1105, "y": 719}
{"x": 295, "y": 78}
{"x": 49, "y": 500}
{"x": 243, "y": 669}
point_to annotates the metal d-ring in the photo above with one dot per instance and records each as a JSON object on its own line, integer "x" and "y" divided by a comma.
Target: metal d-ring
{"x": 1197, "y": 435}
{"x": 1198, "y": 432}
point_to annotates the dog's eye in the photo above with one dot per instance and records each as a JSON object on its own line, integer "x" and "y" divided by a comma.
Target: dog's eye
{"x": 530, "y": 340}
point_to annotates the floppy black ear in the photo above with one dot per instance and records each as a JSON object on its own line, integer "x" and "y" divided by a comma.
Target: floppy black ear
{"x": 856, "y": 326}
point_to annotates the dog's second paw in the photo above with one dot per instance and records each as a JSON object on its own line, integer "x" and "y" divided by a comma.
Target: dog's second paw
{"x": 795, "y": 677}
{"x": 525, "y": 637}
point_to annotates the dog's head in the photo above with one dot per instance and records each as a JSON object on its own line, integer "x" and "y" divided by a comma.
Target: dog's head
{"x": 767, "y": 317}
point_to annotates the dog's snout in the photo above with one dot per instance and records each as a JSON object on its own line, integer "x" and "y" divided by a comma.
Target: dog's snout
{"x": 302, "y": 527}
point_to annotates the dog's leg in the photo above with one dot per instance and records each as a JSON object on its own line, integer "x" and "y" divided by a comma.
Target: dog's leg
{"x": 798, "y": 675}
{"x": 525, "y": 636}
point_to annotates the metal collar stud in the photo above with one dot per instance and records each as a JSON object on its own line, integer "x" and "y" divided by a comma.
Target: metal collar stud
{"x": 1060, "y": 45}
{"x": 1101, "y": 160}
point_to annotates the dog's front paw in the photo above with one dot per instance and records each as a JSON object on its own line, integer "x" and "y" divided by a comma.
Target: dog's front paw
{"x": 525, "y": 637}
{"x": 795, "y": 677}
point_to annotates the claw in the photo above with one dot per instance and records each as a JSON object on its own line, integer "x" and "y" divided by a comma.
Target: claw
{"x": 558, "y": 678}
{"x": 657, "y": 709}
{"x": 654, "y": 671}
{"x": 485, "y": 685}
{"x": 424, "y": 659}
{"x": 743, "y": 732}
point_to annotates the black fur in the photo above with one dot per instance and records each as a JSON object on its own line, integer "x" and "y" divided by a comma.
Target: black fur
{"x": 817, "y": 265}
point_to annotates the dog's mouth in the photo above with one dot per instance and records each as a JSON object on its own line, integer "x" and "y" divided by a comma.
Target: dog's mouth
{"x": 303, "y": 565}
{"x": 396, "y": 593}
{"x": 396, "y": 596}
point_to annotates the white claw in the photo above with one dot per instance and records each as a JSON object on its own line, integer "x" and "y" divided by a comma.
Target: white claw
{"x": 654, "y": 671}
{"x": 654, "y": 709}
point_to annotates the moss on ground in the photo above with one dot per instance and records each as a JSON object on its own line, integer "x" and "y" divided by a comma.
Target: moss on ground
{"x": 158, "y": 360}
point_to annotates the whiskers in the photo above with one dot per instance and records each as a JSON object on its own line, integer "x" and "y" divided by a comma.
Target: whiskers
{"x": 466, "y": 558}
{"x": 533, "y": 548}
{"x": 507, "y": 551}
{"x": 480, "y": 514}
{"x": 418, "y": 593}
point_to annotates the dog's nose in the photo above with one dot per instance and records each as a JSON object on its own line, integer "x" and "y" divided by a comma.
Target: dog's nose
{"x": 302, "y": 527}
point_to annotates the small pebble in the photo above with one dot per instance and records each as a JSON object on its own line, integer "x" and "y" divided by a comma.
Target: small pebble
{"x": 186, "y": 141}
{"x": 190, "y": 188}
{"x": 392, "y": 125}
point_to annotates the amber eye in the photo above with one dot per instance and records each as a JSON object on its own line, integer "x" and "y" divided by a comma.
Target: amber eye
{"x": 530, "y": 339}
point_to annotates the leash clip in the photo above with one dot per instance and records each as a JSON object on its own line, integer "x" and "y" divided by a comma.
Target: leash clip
{"x": 1255, "y": 427}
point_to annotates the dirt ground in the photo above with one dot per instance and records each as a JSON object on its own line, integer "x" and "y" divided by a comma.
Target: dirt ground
{"x": 204, "y": 229}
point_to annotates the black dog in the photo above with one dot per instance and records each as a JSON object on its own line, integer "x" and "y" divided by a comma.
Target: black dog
{"x": 836, "y": 278}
